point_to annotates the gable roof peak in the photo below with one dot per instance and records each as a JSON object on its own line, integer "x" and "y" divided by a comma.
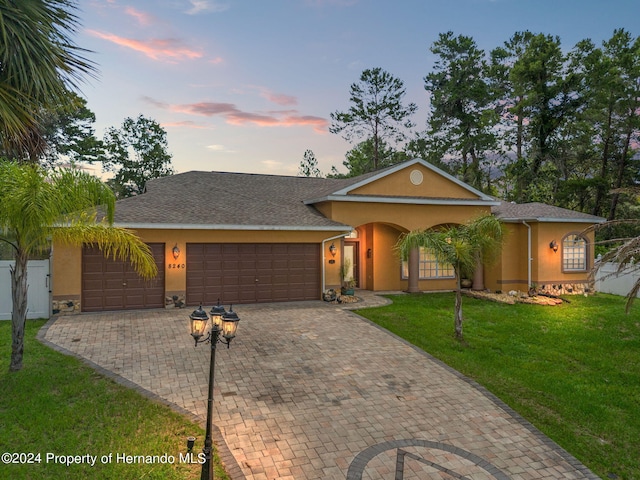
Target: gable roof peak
{"x": 354, "y": 183}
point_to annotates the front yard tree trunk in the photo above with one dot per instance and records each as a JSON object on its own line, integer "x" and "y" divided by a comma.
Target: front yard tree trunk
{"x": 19, "y": 312}
{"x": 458, "y": 310}
{"x": 414, "y": 270}
{"x": 478, "y": 277}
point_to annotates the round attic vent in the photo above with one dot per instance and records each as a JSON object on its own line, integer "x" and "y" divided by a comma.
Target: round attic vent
{"x": 416, "y": 177}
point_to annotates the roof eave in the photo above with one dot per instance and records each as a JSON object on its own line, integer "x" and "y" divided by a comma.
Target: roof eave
{"x": 550, "y": 220}
{"x": 403, "y": 200}
{"x": 203, "y": 226}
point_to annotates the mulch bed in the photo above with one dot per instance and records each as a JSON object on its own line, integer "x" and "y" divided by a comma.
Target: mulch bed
{"x": 519, "y": 297}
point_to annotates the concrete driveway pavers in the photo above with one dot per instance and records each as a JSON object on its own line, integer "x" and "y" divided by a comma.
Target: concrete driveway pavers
{"x": 310, "y": 390}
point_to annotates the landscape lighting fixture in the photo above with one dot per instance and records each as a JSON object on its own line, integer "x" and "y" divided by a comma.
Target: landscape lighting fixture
{"x": 223, "y": 324}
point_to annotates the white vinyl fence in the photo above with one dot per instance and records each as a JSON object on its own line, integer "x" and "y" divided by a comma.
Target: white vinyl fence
{"x": 39, "y": 296}
{"x": 616, "y": 284}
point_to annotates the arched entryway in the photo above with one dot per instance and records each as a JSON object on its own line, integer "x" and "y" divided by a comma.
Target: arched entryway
{"x": 375, "y": 264}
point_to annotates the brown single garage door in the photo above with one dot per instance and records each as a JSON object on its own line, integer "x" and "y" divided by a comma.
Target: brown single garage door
{"x": 109, "y": 284}
{"x": 252, "y": 273}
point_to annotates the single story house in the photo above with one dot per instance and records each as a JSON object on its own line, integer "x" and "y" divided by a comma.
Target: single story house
{"x": 246, "y": 238}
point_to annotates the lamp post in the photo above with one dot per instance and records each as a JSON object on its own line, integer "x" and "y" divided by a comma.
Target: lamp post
{"x": 223, "y": 324}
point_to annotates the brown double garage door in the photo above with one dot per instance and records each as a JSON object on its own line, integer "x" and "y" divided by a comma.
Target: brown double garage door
{"x": 252, "y": 273}
{"x": 235, "y": 273}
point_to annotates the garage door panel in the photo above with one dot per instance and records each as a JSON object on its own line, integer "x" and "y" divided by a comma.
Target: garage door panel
{"x": 112, "y": 302}
{"x": 109, "y": 284}
{"x": 279, "y": 268}
{"x": 93, "y": 284}
{"x": 265, "y": 264}
{"x": 279, "y": 279}
{"x": 112, "y": 267}
{"x": 112, "y": 284}
{"x": 210, "y": 265}
{"x": 246, "y": 249}
{"x": 225, "y": 248}
{"x": 230, "y": 265}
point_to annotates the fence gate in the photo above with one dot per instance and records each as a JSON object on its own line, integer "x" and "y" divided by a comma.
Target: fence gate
{"x": 39, "y": 293}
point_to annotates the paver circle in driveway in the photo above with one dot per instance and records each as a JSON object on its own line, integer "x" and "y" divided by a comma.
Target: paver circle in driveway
{"x": 311, "y": 391}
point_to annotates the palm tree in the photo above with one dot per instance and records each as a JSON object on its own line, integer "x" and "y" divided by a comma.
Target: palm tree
{"x": 37, "y": 208}
{"x": 462, "y": 246}
{"x": 38, "y": 64}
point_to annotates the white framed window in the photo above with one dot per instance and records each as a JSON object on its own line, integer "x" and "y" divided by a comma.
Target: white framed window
{"x": 429, "y": 267}
{"x": 574, "y": 253}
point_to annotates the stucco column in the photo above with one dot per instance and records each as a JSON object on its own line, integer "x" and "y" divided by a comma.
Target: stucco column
{"x": 414, "y": 270}
{"x": 478, "y": 277}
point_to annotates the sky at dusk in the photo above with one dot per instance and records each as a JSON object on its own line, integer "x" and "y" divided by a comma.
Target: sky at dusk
{"x": 248, "y": 85}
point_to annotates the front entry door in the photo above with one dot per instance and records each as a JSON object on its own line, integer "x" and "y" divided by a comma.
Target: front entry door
{"x": 351, "y": 257}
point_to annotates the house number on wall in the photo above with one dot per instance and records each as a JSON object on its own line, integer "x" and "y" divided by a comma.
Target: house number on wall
{"x": 176, "y": 265}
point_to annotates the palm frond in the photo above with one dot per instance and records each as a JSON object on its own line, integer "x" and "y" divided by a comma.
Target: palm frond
{"x": 82, "y": 191}
{"x": 39, "y": 62}
{"x": 34, "y": 203}
{"x": 117, "y": 243}
{"x": 631, "y": 296}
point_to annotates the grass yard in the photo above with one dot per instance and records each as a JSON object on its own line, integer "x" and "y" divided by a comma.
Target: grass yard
{"x": 58, "y": 405}
{"x": 572, "y": 370}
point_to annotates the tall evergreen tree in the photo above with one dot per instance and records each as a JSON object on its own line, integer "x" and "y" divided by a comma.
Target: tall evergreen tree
{"x": 539, "y": 98}
{"x": 376, "y": 112}
{"x": 309, "y": 165}
{"x": 360, "y": 159}
{"x": 462, "y": 108}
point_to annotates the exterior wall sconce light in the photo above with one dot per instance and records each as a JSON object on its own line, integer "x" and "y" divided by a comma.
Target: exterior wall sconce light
{"x": 223, "y": 324}
{"x": 553, "y": 245}
{"x": 333, "y": 250}
{"x": 176, "y": 251}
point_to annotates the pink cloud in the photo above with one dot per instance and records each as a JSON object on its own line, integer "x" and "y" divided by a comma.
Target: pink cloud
{"x": 156, "y": 49}
{"x": 186, "y": 124}
{"x": 208, "y": 109}
{"x": 240, "y": 118}
{"x": 280, "y": 98}
{"x": 142, "y": 17}
{"x": 319, "y": 124}
{"x": 234, "y": 116}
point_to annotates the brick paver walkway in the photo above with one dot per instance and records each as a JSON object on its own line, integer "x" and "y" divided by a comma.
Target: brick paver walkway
{"x": 312, "y": 391}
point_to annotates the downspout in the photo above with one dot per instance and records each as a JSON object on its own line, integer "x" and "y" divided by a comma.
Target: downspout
{"x": 529, "y": 258}
{"x": 324, "y": 263}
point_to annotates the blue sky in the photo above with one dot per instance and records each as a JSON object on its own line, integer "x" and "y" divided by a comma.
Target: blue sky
{"x": 248, "y": 85}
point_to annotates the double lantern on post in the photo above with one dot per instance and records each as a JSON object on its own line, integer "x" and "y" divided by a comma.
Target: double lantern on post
{"x": 223, "y": 329}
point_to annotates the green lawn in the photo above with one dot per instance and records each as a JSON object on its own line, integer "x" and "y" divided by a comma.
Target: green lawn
{"x": 572, "y": 370}
{"x": 58, "y": 406}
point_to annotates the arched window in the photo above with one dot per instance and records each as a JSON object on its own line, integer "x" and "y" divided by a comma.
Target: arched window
{"x": 574, "y": 253}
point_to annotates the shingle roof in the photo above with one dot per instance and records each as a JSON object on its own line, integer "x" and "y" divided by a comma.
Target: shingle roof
{"x": 541, "y": 212}
{"x": 210, "y": 199}
{"x": 253, "y": 201}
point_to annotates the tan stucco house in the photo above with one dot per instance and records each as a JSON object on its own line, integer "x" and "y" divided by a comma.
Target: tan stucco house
{"x": 246, "y": 238}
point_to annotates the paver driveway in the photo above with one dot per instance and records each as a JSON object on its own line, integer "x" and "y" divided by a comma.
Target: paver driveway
{"x": 312, "y": 391}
